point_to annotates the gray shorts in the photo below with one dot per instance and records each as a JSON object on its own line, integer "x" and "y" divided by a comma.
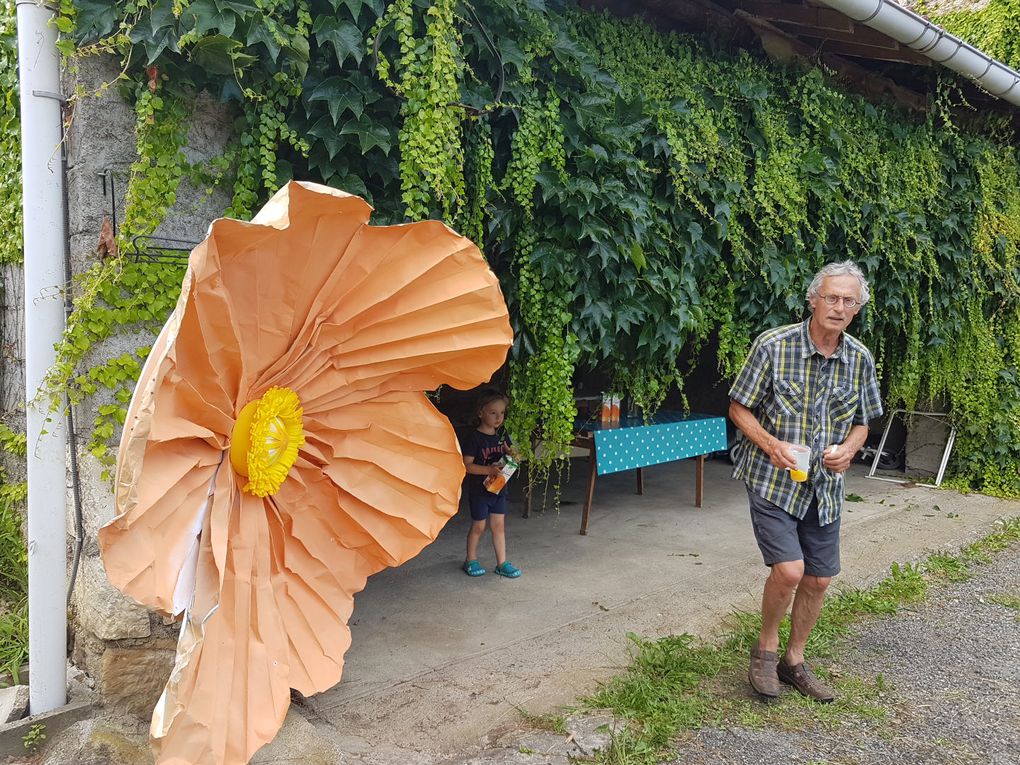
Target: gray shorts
{"x": 783, "y": 538}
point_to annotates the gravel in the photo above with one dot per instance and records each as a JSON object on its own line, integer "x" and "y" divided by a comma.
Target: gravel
{"x": 951, "y": 668}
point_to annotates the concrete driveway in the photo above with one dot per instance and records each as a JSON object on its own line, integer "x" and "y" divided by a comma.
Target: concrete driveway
{"x": 440, "y": 662}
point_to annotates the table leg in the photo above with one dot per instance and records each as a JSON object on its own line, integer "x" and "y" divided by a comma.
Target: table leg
{"x": 592, "y": 473}
{"x": 640, "y": 481}
{"x": 699, "y": 481}
{"x": 527, "y": 491}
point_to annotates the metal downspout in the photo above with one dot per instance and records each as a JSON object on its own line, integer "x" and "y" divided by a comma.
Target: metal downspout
{"x": 43, "y": 187}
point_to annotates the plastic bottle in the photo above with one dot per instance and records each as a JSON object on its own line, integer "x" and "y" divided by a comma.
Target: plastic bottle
{"x": 495, "y": 483}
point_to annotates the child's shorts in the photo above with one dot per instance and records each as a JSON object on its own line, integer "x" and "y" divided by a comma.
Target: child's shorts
{"x": 485, "y": 504}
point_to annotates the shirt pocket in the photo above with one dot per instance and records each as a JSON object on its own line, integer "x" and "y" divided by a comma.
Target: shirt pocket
{"x": 843, "y": 404}
{"x": 789, "y": 396}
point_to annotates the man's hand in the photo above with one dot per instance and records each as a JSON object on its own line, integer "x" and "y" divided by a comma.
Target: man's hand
{"x": 780, "y": 454}
{"x": 837, "y": 457}
{"x": 495, "y": 470}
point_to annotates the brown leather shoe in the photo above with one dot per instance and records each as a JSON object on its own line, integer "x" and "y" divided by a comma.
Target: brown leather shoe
{"x": 762, "y": 675}
{"x": 804, "y": 680}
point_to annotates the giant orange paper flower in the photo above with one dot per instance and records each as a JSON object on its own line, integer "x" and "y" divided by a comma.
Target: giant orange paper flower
{"x": 279, "y": 450}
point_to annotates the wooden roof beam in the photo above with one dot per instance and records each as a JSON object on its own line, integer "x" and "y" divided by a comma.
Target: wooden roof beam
{"x": 862, "y": 35}
{"x": 799, "y": 15}
{"x": 896, "y": 54}
{"x": 783, "y": 46}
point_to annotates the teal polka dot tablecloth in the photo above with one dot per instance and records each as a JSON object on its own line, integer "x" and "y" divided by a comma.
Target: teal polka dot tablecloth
{"x": 669, "y": 436}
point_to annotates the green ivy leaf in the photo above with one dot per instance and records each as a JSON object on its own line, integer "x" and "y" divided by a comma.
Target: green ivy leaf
{"x": 370, "y": 133}
{"x": 94, "y": 20}
{"x": 339, "y": 97}
{"x": 637, "y": 256}
{"x": 161, "y": 34}
{"x": 355, "y": 6}
{"x": 203, "y": 16}
{"x": 240, "y": 7}
{"x": 325, "y": 130}
{"x": 346, "y": 38}
{"x": 260, "y": 33}
{"x": 220, "y": 55}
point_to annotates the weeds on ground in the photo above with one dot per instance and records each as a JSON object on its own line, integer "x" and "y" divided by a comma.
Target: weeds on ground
{"x": 982, "y": 550}
{"x": 13, "y": 638}
{"x": 680, "y": 683}
{"x": 13, "y": 579}
{"x": 35, "y": 737}
{"x": 1007, "y": 601}
{"x": 947, "y": 568}
{"x": 548, "y": 722}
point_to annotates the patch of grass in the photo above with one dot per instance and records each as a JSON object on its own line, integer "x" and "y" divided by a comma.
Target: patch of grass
{"x": 660, "y": 693}
{"x": 13, "y": 579}
{"x": 957, "y": 568}
{"x": 1007, "y": 601}
{"x": 981, "y": 551}
{"x": 13, "y": 554}
{"x": 680, "y": 683}
{"x": 13, "y": 638}
{"x": 548, "y": 722}
{"x": 947, "y": 568}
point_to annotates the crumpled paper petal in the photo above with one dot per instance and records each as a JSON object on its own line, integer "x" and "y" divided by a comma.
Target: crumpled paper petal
{"x": 358, "y": 320}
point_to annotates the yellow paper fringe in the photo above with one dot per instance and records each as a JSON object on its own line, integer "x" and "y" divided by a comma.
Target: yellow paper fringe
{"x": 276, "y": 436}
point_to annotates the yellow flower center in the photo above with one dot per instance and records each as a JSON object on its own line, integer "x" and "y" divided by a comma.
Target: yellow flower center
{"x": 266, "y": 439}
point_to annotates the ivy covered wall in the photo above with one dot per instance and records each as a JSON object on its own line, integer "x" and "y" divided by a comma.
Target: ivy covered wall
{"x": 638, "y": 193}
{"x": 994, "y": 26}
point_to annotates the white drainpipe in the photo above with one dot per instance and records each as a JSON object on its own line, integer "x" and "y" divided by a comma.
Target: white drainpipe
{"x": 43, "y": 188}
{"x": 916, "y": 32}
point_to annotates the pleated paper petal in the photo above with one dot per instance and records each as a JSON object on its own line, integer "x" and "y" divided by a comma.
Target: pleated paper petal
{"x": 357, "y": 320}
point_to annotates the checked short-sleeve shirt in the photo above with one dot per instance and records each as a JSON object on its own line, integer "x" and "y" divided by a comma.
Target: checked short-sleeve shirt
{"x": 800, "y": 396}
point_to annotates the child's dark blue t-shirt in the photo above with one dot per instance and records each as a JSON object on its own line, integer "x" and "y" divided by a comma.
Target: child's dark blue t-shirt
{"x": 486, "y": 450}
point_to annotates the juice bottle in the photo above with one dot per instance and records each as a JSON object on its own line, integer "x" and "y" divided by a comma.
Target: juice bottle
{"x": 607, "y": 409}
{"x": 495, "y": 483}
{"x": 614, "y": 410}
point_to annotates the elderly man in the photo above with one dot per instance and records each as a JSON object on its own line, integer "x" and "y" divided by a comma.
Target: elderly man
{"x": 813, "y": 385}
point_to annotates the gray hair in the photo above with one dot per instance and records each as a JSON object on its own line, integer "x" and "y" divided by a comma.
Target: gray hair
{"x": 844, "y": 268}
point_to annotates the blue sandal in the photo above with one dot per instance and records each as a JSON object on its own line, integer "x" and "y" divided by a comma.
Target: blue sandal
{"x": 508, "y": 569}
{"x": 474, "y": 568}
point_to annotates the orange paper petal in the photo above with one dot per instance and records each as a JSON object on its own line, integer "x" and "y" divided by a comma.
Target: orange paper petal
{"x": 357, "y": 321}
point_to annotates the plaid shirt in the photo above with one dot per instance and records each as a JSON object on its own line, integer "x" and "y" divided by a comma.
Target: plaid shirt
{"x": 800, "y": 396}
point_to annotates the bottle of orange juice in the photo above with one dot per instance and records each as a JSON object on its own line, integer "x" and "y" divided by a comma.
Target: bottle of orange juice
{"x": 614, "y": 411}
{"x": 607, "y": 409}
{"x": 495, "y": 483}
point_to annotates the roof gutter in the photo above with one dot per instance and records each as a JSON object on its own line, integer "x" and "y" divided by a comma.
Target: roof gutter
{"x": 931, "y": 40}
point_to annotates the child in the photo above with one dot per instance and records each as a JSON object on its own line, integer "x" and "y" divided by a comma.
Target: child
{"x": 483, "y": 448}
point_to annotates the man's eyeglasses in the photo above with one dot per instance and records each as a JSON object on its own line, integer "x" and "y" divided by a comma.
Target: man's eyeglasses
{"x": 848, "y": 302}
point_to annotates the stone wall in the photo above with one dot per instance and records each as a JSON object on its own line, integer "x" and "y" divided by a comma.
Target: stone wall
{"x": 12, "y": 362}
{"x": 127, "y": 650}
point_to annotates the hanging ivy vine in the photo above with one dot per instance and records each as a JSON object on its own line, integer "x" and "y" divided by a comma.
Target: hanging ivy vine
{"x": 641, "y": 195}
{"x": 10, "y": 140}
{"x": 427, "y": 79}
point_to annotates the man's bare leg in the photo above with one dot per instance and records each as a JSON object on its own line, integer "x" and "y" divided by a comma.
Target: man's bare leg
{"x": 807, "y": 605}
{"x": 779, "y": 589}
